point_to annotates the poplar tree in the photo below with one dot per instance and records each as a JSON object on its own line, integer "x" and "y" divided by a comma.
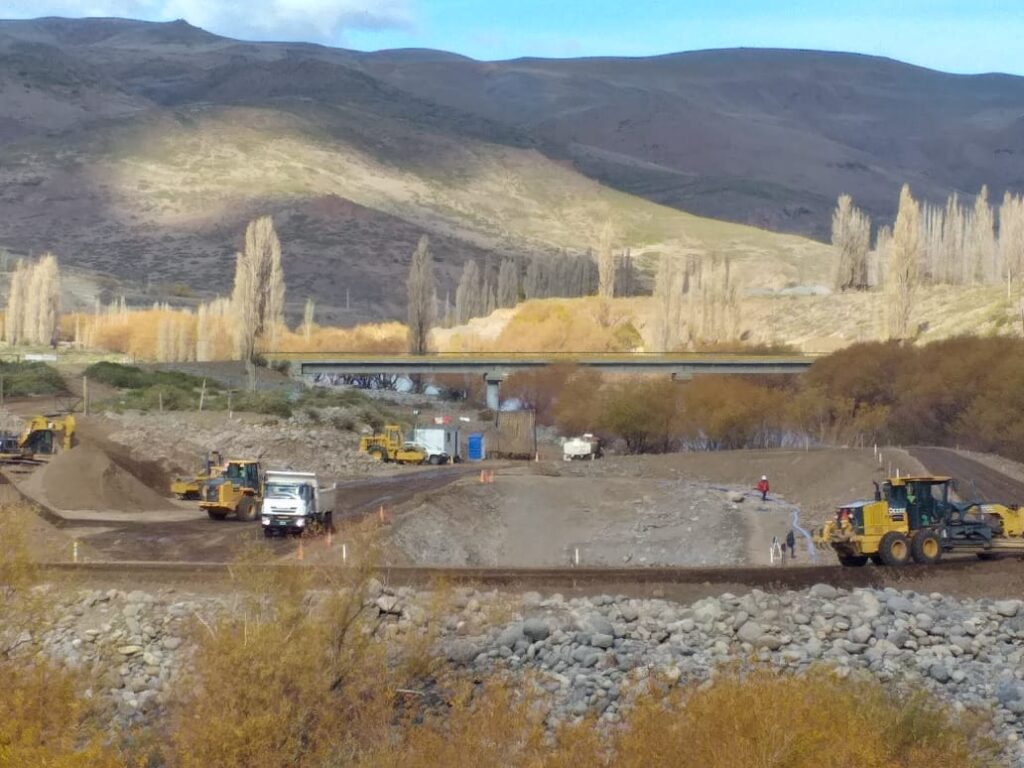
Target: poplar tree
{"x": 508, "y": 284}
{"x": 258, "y": 295}
{"x": 606, "y": 263}
{"x": 420, "y": 298}
{"x": 851, "y": 237}
{"x": 903, "y": 268}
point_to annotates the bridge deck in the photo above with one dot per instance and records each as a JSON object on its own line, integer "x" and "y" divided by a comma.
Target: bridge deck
{"x": 502, "y": 364}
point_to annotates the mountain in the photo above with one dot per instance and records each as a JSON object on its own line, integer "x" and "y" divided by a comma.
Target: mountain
{"x": 765, "y": 137}
{"x": 138, "y": 150}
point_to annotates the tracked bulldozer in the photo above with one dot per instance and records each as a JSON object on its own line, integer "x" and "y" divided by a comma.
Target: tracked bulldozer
{"x": 192, "y": 487}
{"x": 238, "y": 490}
{"x": 391, "y": 445}
{"x": 917, "y": 519}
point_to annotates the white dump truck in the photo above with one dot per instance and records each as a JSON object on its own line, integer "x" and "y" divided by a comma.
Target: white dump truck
{"x": 440, "y": 444}
{"x": 583, "y": 447}
{"x": 294, "y": 502}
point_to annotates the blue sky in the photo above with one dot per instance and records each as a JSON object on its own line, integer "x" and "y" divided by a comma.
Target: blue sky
{"x": 951, "y": 35}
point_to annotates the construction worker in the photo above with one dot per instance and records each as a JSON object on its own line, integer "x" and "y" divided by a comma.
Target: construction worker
{"x": 763, "y": 487}
{"x": 791, "y": 544}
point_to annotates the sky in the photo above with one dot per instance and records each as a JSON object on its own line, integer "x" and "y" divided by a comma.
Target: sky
{"x": 964, "y": 36}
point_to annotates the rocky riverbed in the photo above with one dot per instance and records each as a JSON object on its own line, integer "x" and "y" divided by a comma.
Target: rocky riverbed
{"x": 592, "y": 654}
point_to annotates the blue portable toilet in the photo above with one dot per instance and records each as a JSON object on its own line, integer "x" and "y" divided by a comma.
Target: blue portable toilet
{"x": 475, "y": 446}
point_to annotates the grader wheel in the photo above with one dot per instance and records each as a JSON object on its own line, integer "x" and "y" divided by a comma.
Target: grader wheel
{"x": 925, "y": 547}
{"x": 894, "y": 549}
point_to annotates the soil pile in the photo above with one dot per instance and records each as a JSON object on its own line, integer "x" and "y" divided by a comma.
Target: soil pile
{"x": 87, "y": 478}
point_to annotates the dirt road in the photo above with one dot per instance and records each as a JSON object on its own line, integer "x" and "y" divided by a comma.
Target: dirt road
{"x": 189, "y": 535}
{"x": 976, "y": 481}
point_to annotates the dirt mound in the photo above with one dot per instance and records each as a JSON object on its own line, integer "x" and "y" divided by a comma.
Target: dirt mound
{"x": 86, "y": 477}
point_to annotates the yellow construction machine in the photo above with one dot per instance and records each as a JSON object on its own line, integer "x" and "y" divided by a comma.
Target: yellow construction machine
{"x": 391, "y": 445}
{"x": 237, "y": 490}
{"x": 42, "y": 436}
{"x": 191, "y": 488}
{"x": 916, "y": 518}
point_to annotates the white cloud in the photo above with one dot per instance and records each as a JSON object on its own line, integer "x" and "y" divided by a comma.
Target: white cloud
{"x": 323, "y": 20}
{"x": 314, "y": 20}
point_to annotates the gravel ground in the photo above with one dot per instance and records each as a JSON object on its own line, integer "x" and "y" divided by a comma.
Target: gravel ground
{"x": 536, "y": 520}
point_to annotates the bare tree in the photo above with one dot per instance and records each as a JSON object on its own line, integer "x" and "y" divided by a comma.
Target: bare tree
{"x": 308, "y": 314}
{"x": 931, "y": 243}
{"x": 903, "y": 268}
{"x": 880, "y": 256}
{"x": 606, "y": 263}
{"x": 467, "y": 295}
{"x": 420, "y": 298}
{"x": 258, "y": 295}
{"x": 33, "y": 302}
{"x": 980, "y": 241}
{"x": 851, "y": 237}
{"x": 508, "y": 284}
{"x": 14, "y": 321}
{"x": 1011, "y": 235}
{"x": 665, "y": 300}
{"x": 43, "y": 315}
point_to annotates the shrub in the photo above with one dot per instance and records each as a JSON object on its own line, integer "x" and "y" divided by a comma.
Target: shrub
{"x": 31, "y": 378}
{"x": 815, "y": 721}
{"x": 46, "y": 720}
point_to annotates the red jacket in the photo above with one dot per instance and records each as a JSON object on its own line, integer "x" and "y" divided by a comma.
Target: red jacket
{"x": 762, "y": 486}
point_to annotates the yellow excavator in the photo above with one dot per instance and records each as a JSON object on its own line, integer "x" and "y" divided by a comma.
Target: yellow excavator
{"x": 391, "y": 445}
{"x": 191, "y": 488}
{"x": 916, "y": 518}
{"x": 237, "y": 490}
{"x": 42, "y": 436}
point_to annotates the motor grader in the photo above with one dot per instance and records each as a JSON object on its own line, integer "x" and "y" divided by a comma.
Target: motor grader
{"x": 391, "y": 445}
{"x": 916, "y": 518}
{"x": 237, "y": 490}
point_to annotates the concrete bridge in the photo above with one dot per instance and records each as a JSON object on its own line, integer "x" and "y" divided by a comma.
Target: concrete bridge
{"x": 495, "y": 367}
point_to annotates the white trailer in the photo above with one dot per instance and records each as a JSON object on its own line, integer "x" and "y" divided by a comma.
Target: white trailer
{"x": 440, "y": 444}
{"x": 294, "y": 502}
{"x": 584, "y": 447}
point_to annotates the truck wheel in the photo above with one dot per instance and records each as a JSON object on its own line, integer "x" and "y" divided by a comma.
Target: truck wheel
{"x": 853, "y": 561}
{"x": 876, "y": 559}
{"x": 894, "y": 549}
{"x": 925, "y": 547}
{"x": 268, "y": 532}
{"x": 216, "y": 514}
{"x": 435, "y": 460}
{"x": 246, "y": 510}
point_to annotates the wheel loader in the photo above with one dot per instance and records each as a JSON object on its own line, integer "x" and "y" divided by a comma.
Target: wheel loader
{"x": 237, "y": 490}
{"x": 916, "y": 518}
{"x": 191, "y": 488}
{"x": 391, "y": 445}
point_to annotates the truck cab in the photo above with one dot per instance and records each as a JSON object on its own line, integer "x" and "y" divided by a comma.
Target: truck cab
{"x": 294, "y": 502}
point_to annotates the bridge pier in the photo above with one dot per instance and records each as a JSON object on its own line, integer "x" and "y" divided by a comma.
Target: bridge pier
{"x": 493, "y": 380}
